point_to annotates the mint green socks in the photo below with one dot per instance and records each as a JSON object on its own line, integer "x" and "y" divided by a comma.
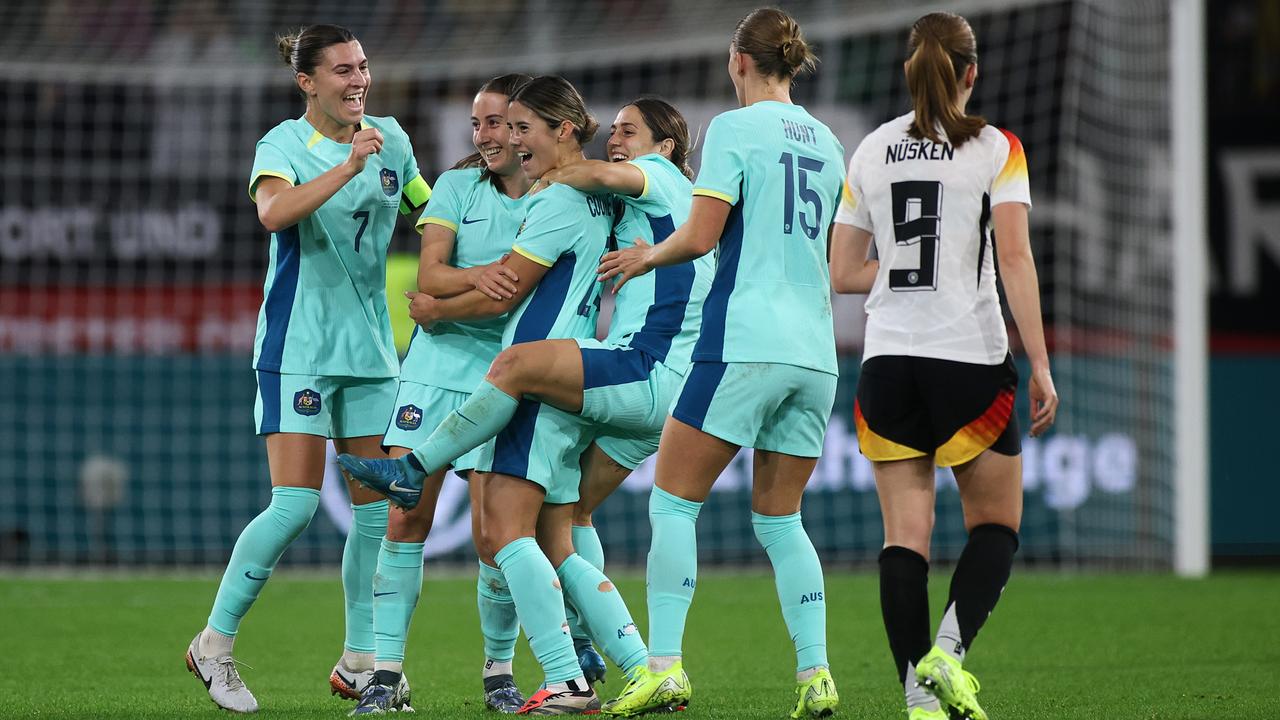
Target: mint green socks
{"x": 798, "y": 576}
{"x": 540, "y": 606}
{"x": 396, "y": 587}
{"x": 587, "y": 544}
{"x": 498, "y": 622}
{"x": 481, "y": 417}
{"x": 603, "y": 612}
{"x": 359, "y": 561}
{"x": 256, "y": 553}
{"x": 672, "y": 570}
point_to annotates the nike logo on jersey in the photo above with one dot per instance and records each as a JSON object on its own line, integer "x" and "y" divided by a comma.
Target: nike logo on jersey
{"x": 251, "y": 577}
{"x": 468, "y": 221}
{"x": 380, "y": 594}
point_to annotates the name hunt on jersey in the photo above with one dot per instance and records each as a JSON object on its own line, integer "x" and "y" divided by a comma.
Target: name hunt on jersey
{"x": 781, "y": 171}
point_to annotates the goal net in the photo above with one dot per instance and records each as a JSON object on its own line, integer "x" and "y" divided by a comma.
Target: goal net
{"x": 131, "y": 260}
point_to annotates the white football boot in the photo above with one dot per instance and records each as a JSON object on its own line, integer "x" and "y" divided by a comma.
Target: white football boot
{"x": 347, "y": 683}
{"x": 221, "y": 679}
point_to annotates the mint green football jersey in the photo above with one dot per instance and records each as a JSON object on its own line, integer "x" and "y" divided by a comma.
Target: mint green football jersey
{"x": 660, "y": 312}
{"x": 324, "y": 309}
{"x": 780, "y": 170}
{"x": 566, "y": 231}
{"x": 456, "y": 355}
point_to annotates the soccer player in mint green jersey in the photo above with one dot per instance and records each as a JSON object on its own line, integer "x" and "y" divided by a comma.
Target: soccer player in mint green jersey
{"x": 622, "y": 386}
{"x": 474, "y": 212}
{"x": 534, "y": 459}
{"x": 764, "y": 367}
{"x": 329, "y": 186}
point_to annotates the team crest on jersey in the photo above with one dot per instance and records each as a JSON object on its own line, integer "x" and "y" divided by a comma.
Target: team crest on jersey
{"x": 390, "y": 183}
{"x": 409, "y": 417}
{"x": 306, "y": 402}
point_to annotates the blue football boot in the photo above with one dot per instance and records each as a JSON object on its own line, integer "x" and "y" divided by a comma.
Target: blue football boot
{"x": 398, "y": 480}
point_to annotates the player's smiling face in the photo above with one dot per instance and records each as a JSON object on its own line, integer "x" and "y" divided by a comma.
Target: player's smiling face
{"x": 630, "y": 137}
{"x": 340, "y": 83}
{"x": 533, "y": 141}
{"x": 491, "y": 135}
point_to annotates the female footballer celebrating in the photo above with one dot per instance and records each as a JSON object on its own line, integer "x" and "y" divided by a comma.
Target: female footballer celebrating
{"x": 937, "y": 384}
{"x": 328, "y": 186}
{"x": 764, "y": 366}
{"x": 467, "y": 227}
{"x": 622, "y": 385}
{"x": 533, "y": 459}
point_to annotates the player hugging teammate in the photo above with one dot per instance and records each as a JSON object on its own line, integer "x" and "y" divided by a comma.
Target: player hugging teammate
{"x": 506, "y": 383}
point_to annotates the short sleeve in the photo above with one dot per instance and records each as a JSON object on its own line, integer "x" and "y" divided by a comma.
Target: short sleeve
{"x": 551, "y": 226}
{"x": 445, "y": 206}
{"x": 269, "y": 160}
{"x": 722, "y": 163}
{"x": 655, "y": 198}
{"x": 416, "y": 191}
{"x": 1010, "y": 183}
{"x": 852, "y": 209}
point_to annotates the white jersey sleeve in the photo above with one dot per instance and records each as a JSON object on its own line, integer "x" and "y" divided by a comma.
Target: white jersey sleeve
{"x": 1010, "y": 172}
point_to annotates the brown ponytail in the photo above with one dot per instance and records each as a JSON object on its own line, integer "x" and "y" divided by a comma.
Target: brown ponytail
{"x": 942, "y": 48}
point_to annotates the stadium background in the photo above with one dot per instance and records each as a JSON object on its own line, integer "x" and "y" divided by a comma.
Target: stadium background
{"x": 131, "y": 261}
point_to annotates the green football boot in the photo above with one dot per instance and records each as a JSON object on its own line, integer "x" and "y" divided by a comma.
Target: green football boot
{"x": 956, "y": 688}
{"x": 818, "y": 697}
{"x": 923, "y": 714}
{"x": 648, "y": 692}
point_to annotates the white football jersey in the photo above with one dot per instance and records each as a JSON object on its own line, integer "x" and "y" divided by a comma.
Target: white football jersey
{"x": 928, "y": 207}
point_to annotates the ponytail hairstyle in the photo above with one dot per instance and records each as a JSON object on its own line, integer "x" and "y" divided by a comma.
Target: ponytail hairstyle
{"x": 302, "y": 49}
{"x": 942, "y": 48}
{"x": 555, "y": 100}
{"x": 773, "y": 40}
{"x": 666, "y": 123}
{"x": 505, "y": 85}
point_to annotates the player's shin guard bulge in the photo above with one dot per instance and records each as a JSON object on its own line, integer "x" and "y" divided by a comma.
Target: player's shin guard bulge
{"x": 360, "y": 558}
{"x": 256, "y": 553}
{"x": 604, "y": 612}
{"x": 801, "y": 591}
{"x": 540, "y": 606}
{"x": 672, "y": 569}
{"x": 396, "y": 587}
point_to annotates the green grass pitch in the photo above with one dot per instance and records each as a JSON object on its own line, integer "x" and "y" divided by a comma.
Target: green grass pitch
{"x": 1059, "y": 646}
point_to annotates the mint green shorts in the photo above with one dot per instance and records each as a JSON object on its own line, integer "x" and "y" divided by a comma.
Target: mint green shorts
{"x": 626, "y": 394}
{"x": 541, "y": 444}
{"x": 325, "y": 405}
{"x": 766, "y": 406}
{"x": 419, "y": 409}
